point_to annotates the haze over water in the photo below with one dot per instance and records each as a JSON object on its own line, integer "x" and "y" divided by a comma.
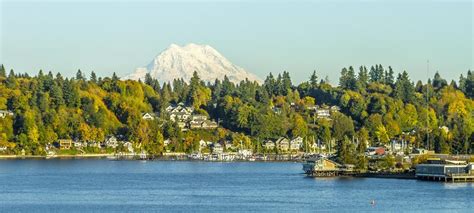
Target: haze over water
{"x": 139, "y": 186}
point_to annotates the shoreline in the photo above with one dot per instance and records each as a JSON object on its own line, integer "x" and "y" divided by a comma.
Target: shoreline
{"x": 115, "y": 157}
{"x": 85, "y": 156}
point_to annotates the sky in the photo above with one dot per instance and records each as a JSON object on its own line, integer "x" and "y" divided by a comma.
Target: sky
{"x": 261, "y": 36}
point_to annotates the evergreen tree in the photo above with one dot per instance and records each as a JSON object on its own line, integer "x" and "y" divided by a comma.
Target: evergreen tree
{"x": 270, "y": 84}
{"x": 404, "y": 89}
{"x": 313, "y": 80}
{"x": 79, "y": 75}
{"x": 469, "y": 84}
{"x": 389, "y": 78}
{"x": 148, "y": 79}
{"x": 286, "y": 83}
{"x": 93, "y": 77}
{"x": 348, "y": 79}
{"x": 438, "y": 82}
{"x": 362, "y": 78}
{"x": 3, "y": 73}
{"x": 11, "y": 79}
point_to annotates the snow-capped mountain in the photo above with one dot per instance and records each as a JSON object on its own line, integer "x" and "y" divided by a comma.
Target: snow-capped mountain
{"x": 180, "y": 62}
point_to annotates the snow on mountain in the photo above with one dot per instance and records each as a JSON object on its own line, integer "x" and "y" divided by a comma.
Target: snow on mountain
{"x": 180, "y": 62}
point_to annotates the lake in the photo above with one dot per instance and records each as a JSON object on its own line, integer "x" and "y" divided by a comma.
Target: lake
{"x": 100, "y": 185}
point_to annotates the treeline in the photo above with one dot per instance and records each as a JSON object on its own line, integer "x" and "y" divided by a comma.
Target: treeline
{"x": 376, "y": 104}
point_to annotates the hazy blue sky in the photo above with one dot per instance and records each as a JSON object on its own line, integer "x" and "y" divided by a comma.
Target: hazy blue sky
{"x": 262, "y": 37}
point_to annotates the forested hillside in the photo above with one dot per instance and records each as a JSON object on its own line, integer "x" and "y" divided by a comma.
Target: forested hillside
{"x": 376, "y": 105}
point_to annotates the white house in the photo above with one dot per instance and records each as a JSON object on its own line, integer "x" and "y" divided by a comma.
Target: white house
{"x": 283, "y": 144}
{"x": 148, "y": 116}
{"x": 323, "y": 113}
{"x": 269, "y": 145}
{"x": 296, "y": 143}
{"x": 167, "y": 142}
{"x": 5, "y": 113}
{"x": 111, "y": 142}
{"x": 129, "y": 146}
{"x": 79, "y": 144}
{"x": 217, "y": 148}
{"x": 202, "y": 144}
{"x": 245, "y": 153}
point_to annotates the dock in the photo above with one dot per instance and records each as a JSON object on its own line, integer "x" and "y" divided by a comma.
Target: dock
{"x": 454, "y": 178}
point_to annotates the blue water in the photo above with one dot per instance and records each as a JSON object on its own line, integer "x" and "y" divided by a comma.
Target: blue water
{"x": 138, "y": 186}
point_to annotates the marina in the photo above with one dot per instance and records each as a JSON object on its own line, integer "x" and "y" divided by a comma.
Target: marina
{"x": 434, "y": 169}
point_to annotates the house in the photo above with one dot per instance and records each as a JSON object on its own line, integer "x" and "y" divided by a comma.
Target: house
{"x": 199, "y": 117}
{"x": 148, "y": 116}
{"x": 296, "y": 143}
{"x": 180, "y": 116}
{"x": 5, "y": 113}
{"x": 229, "y": 145}
{"x": 201, "y": 122}
{"x": 111, "y": 142}
{"x": 421, "y": 151}
{"x": 65, "y": 143}
{"x": 3, "y": 148}
{"x": 335, "y": 109}
{"x": 282, "y": 144}
{"x": 202, "y": 144}
{"x": 269, "y": 145}
{"x": 179, "y": 112}
{"x": 320, "y": 164}
{"x": 217, "y": 148}
{"x": 323, "y": 113}
{"x": 166, "y": 142}
{"x": 129, "y": 146}
{"x": 208, "y": 124}
{"x": 375, "y": 151}
{"x": 78, "y": 144}
{"x": 245, "y": 152}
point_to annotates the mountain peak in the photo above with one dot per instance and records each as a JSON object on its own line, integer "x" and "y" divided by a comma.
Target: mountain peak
{"x": 178, "y": 62}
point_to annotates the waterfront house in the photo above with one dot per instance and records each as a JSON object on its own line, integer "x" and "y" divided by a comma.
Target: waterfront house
{"x": 320, "y": 165}
{"x": 283, "y": 144}
{"x": 229, "y": 145}
{"x": 148, "y": 116}
{"x": 245, "y": 153}
{"x": 78, "y": 144}
{"x": 3, "y": 148}
{"x": 202, "y": 143}
{"x": 129, "y": 146}
{"x": 65, "y": 143}
{"x": 296, "y": 143}
{"x": 111, "y": 142}
{"x": 5, "y": 113}
{"x": 217, "y": 148}
{"x": 269, "y": 145}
